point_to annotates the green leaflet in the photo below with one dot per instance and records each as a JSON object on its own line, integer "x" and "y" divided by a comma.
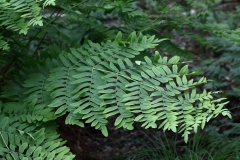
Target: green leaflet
{"x": 4, "y": 123}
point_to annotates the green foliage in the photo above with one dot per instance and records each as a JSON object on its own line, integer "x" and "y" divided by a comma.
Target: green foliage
{"x": 104, "y": 74}
{"x": 80, "y": 66}
{"x": 222, "y": 65}
{"x": 23, "y": 140}
{"x": 97, "y": 81}
{"x": 19, "y": 15}
{"x": 3, "y": 44}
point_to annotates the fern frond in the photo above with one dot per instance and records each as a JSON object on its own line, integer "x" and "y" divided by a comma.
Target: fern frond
{"x": 97, "y": 81}
{"x": 48, "y": 3}
{"x": 20, "y": 15}
{"x": 22, "y": 140}
{"x": 13, "y": 90}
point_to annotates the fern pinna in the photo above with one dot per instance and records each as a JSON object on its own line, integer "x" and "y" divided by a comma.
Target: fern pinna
{"x": 97, "y": 81}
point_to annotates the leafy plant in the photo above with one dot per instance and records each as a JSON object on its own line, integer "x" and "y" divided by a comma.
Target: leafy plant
{"x": 110, "y": 76}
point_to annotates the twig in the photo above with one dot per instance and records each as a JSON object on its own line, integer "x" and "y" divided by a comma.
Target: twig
{"x": 39, "y": 44}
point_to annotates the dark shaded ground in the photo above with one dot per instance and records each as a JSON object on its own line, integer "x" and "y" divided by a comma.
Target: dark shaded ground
{"x": 89, "y": 144}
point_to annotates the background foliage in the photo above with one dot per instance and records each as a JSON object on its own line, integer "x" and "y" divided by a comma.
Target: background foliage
{"x": 98, "y": 62}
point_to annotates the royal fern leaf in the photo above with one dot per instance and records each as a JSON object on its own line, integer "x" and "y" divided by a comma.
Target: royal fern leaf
{"x": 23, "y": 139}
{"x": 97, "y": 81}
